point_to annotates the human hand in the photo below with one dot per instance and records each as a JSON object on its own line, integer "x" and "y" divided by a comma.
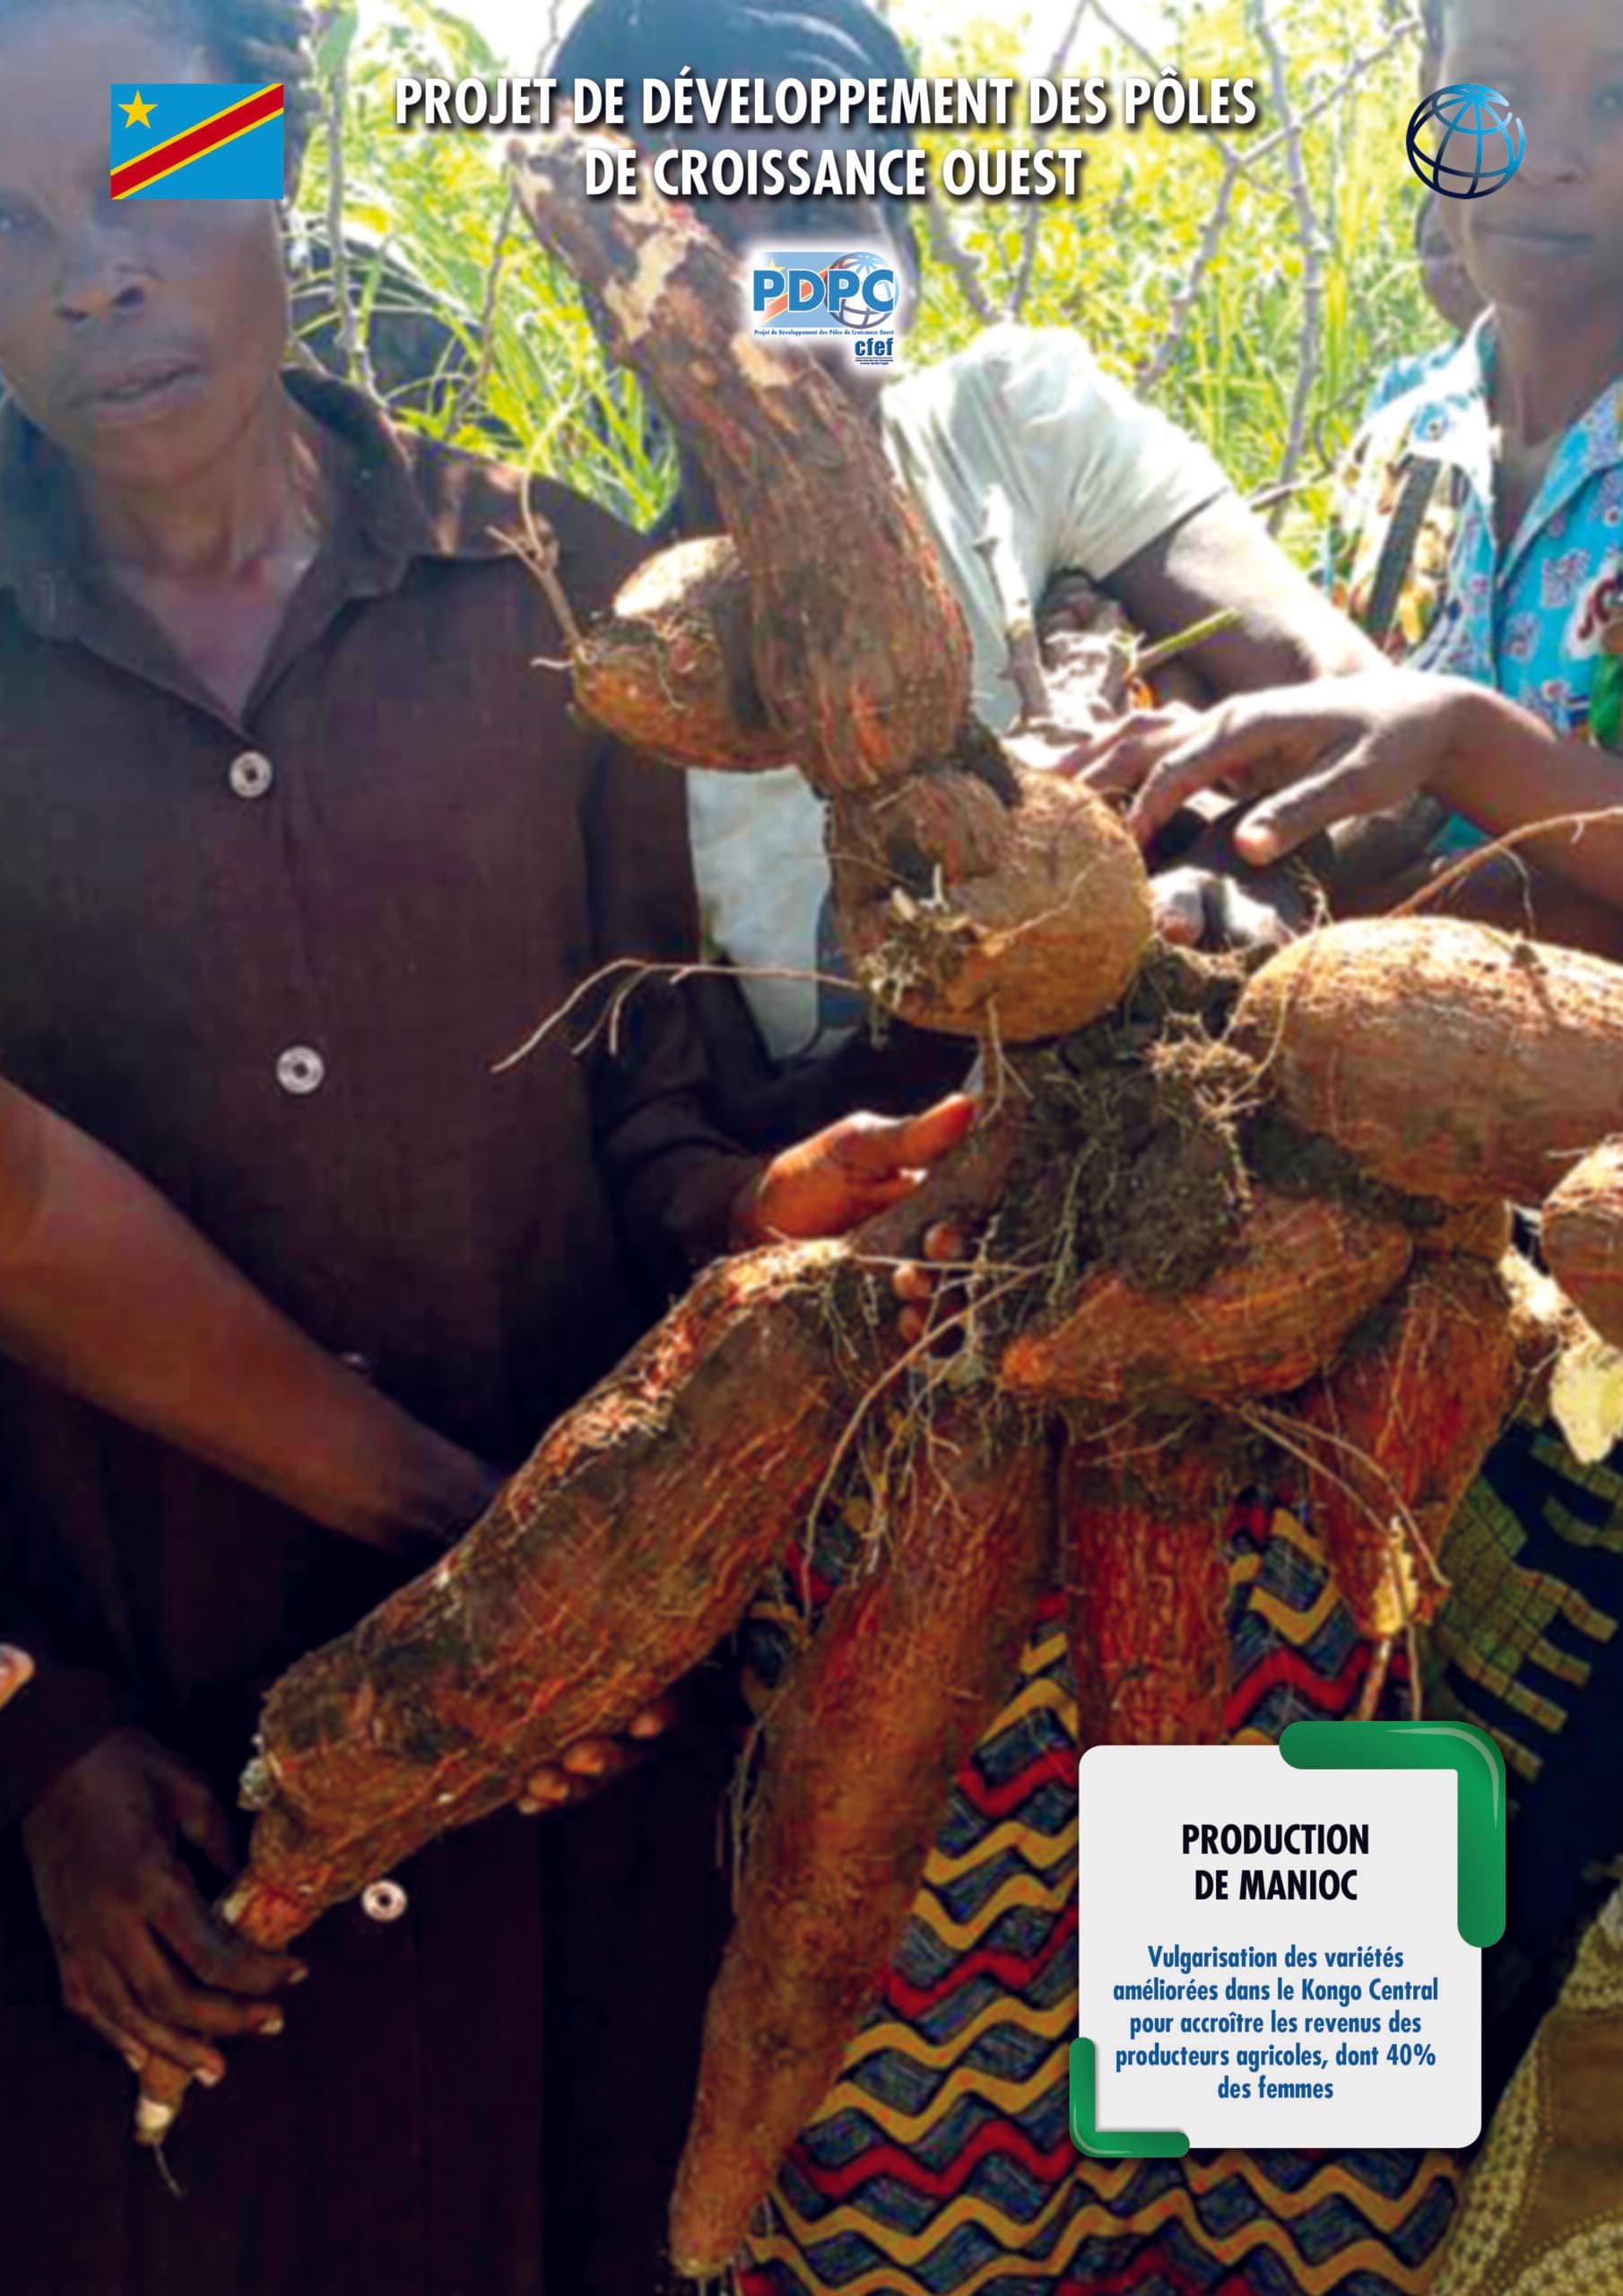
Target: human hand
{"x": 141, "y": 1955}
{"x": 843, "y": 1175}
{"x": 1316, "y": 754}
{"x": 592, "y": 1763}
{"x": 16, "y": 1667}
{"x": 1081, "y": 748}
{"x": 1197, "y": 907}
{"x": 915, "y": 1283}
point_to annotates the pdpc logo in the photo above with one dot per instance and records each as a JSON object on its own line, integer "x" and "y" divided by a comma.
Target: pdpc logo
{"x": 1465, "y": 141}
{"x": 822, "y": 294}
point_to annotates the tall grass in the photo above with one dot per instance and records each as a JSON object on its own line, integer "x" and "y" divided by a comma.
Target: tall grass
{"x": 518, "y": 371}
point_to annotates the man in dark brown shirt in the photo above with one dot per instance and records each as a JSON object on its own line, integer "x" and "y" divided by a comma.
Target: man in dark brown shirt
{"x": 296, "y": 840}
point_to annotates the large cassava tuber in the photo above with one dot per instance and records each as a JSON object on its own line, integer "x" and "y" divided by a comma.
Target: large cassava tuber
{"x": 860, "y": 656}
{"x": 1584, "y": 1238}
{"x": 1148, "y": 1583}
{"x": 963, "y": 911}
{"x": 1369, "y": 1330}
{"x": 1301, "y": 1275}
{"x": 570, "y": 1604}
{"x": 859, "y": 1756}
{"x": 1449, "y": 1058}
{"x": 970, "y": 896}
{"x": 669, "y": 664}
{"x": 1396, "y": 1428}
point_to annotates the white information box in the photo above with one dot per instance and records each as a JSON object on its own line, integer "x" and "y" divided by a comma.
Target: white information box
{"x": 1272, "y": 1955}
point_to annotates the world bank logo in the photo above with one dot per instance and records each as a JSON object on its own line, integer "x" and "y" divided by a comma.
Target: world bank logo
{"x": 1465, "y": 141}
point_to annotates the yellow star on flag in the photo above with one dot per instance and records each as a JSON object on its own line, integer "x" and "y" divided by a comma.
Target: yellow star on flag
{"x": 139, "y": 114}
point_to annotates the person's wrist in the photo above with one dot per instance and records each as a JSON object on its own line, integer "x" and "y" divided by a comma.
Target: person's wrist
{"x": 60, "y": 1793}
{"x": 1471, "y": 718}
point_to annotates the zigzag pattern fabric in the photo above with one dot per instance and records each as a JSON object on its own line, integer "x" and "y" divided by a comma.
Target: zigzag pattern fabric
{"x": 942, "y": 2164}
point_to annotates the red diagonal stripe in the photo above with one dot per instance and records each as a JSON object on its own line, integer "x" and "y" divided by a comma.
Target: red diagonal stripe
{"x": 268, "y": 104}
{"x": 780, "y": 303}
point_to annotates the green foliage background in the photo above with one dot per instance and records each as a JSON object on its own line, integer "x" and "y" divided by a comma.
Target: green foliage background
{"x": 519, "y": 371}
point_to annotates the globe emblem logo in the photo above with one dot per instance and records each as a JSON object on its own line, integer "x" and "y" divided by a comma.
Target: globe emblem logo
{"x": 854, "y": 309}
{"x": 1465, "y": 141}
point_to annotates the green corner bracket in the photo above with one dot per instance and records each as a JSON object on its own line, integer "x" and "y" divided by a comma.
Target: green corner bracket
{"x": 1112, "y": 2143}
{"x": 1475, "y": 1761}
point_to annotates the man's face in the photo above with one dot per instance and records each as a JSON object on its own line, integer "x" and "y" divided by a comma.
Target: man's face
{"x": 1547, "y": 242}
{"x": 840, "y": 225}
{"x": 139, "y": 334}
{"x": 742, "y": 224}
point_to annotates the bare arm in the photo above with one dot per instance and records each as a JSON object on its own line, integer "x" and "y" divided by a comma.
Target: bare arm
{"x": 106, "y": 1289}
{"x": 1502, "y": 768}
{"x": 1223, "y": 557}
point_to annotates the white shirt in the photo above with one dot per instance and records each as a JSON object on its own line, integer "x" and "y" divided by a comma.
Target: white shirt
{"x": 1090, "y": 477}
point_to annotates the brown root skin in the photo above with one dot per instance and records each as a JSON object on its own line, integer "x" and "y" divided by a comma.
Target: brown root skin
{"x": 303, "y": 1858}
{"x": 962, "y": 909}
{"x": 1149, "y": 1589}
{"x": 566, "y": 1608}
{"x": 1478, "y": 1230}
{"x": 906, "y": 1671}
{"x": 1304, "y": 1274}
{"x": 606, "y": 1568}
{"x": 1583, "y": 1237}
{"x": 667, "y": 669}
{"x": 1544, "y": 1328}
{"x": 1399, "y": 1428}
{"x": 573, "y": 1602}
{"x": 860, "y": 655}
{"x": 1452, "y": 1060}
{"x": 969, "y": 915}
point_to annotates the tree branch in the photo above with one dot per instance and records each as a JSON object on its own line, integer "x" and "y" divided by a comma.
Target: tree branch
{"x": 351, "y": 334}
{"x": 1313, "y": 260}
{"x": 1032, "y": 223}
{"x": 1156, "y": 369}
{"x": 946, "y": 248}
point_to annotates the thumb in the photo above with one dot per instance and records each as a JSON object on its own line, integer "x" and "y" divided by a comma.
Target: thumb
{"x": 913, "y": 1143}
{"x": 16, "y": 1667}
{"x": 200, "y": 1818}
{"x": 1179, "y": 904}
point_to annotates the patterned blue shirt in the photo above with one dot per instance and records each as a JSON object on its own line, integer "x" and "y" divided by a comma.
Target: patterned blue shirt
{"x": 1405, "y": 375}
{"x": 1541, "y": 620}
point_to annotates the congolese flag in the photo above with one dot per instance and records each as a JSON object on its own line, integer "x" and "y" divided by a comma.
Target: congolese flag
{"x": 197, "y": 143}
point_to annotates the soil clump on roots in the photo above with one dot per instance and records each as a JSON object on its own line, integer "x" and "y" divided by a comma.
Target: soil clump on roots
{"x": 1132, "y": 1156}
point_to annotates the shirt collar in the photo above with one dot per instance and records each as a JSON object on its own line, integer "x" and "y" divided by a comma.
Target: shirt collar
{"x": 1451, "y": 422}
{"x": 410, "y": 499}
{"x": 1447, "y": 419}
